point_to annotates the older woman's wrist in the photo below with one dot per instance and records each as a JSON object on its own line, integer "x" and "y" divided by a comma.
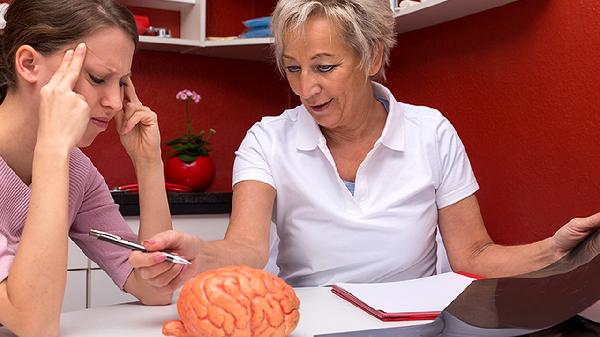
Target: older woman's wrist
{"x": 554, "y": 250}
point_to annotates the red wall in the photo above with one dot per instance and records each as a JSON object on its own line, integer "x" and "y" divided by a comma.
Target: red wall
{"x": 519, "y": 83}
{"x": 235, "y": 94}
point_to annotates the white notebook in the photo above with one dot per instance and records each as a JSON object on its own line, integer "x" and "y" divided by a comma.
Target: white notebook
{"x": 422, "y": 298}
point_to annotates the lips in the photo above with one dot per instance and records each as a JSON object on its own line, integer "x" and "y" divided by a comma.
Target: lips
{"x": 320, "y": 107}
{"x": 100, "y": 122}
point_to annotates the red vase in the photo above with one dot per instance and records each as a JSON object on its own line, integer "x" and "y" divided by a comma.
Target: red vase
{"x": 197, "y": 175}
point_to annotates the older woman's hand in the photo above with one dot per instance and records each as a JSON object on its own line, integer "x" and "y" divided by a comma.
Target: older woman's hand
{"x": 575, "y": 231}
{"x": 161, "y": 274}
{"x": 138, "y": 127}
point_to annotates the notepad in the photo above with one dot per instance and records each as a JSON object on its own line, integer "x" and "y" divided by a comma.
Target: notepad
{"x": 418, "y": 299}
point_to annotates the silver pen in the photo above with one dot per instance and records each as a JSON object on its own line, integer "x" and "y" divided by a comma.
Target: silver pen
{"x": 117, "y": 240}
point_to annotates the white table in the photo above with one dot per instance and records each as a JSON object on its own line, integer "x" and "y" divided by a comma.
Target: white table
{"x": 320, "y": 312}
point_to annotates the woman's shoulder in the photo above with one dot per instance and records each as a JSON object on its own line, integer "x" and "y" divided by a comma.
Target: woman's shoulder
{"x": 278, "y": 124}
{"x": 287, "y": 116}
{"x": 423, "y": 116}
{"x": 82, "y": 171}
{"x": 79, "y": 162}
{"x": 419, "y": 111}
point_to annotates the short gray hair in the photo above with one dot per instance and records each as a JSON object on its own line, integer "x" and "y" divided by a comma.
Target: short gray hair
{"x": 364, "y": 24}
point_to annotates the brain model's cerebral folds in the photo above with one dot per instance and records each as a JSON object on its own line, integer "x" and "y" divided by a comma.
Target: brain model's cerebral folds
{"x": 235, "y": 301}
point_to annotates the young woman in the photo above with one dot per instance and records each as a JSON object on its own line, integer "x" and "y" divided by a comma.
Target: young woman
{"x": 65, "y": 74}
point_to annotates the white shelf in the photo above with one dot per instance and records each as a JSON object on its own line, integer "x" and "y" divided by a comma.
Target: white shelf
{"x": 237, "y": 42}
{"x": 253, "y": 52}
{"x": 193, "y": 26}
{"x": 431, "y": 12}
{"x": 255, "y": 49}
{"x": 183, "y": 46}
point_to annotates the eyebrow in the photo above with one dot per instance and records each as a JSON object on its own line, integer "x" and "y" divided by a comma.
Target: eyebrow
{"x": 316, "y": 56}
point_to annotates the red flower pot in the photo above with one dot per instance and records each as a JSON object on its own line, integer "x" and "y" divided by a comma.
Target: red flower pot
{"x": 197, "y": 175}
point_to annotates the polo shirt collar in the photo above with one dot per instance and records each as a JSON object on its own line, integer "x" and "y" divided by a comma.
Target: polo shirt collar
{"x": 393, "y": 133}
{"x": 309, "y": 134}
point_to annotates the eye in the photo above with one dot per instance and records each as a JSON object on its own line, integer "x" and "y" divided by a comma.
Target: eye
{"x": 96, "y": 80}
{"x": 293, "y": 69}
{"x": 325, "y": 68}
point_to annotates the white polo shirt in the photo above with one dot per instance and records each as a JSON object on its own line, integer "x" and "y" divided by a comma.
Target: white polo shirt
{"x": 386, "y": 230}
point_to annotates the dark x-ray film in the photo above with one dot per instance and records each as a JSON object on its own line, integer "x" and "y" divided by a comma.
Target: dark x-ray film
{"x": 543, "y": 303}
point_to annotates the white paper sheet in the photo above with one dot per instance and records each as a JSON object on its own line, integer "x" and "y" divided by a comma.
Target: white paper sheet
{"x": 432, "y": 293}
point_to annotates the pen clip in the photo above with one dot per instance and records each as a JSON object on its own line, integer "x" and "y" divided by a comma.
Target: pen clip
{"x": 99, "y": 234}
{"x": 117, "y": 240}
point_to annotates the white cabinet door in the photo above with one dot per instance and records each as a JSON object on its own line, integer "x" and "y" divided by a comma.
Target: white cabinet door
{"x": 75, "y": 291}
{"x": 205, "y": 226}
{"x": 104, "y": 292}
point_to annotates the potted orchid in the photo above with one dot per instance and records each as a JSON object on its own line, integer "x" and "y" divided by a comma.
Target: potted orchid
{"x": 190, "y": 164}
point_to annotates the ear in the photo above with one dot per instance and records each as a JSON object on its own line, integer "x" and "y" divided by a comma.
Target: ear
{"x": 377, "y": 61}
{"x": 27, "y": 63}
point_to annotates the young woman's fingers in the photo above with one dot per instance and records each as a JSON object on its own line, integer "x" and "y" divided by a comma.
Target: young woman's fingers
{"x": 130, "y": 108}
{"x": 74, "y": 68}
{"x": 130, "y": 94}
{"x": 62, "y": 68}
{"x": 144, "y": 116}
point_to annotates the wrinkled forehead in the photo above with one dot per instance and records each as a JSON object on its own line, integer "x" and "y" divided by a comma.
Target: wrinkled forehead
{"x": 107, "y": 49}
{"x": 110, "y": 49}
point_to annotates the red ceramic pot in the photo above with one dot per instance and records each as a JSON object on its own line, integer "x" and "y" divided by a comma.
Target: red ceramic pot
{"x": 197, "y": 175}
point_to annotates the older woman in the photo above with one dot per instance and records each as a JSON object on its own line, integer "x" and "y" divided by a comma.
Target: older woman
{"x": 356, "y": 182}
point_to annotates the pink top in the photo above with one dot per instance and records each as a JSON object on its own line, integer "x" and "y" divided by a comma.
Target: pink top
{"x": 90, "y": 206}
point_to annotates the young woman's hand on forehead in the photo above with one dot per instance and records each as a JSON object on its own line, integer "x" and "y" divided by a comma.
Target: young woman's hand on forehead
{"x": 64, "y": 115}
{"x": 138, "y": 127}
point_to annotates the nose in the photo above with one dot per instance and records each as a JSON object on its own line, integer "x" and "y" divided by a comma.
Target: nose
{"x": 309, "y": 85}
{"x": 112, "y": 99}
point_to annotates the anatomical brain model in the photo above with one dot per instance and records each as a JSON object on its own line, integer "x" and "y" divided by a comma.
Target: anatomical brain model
{"x": 235, "y": 301}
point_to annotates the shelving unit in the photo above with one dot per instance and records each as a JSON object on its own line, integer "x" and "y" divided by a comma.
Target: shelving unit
{"x": 193, "y": 26}
{"x": 431, "y": 12}
{"x": 193, "y": 34}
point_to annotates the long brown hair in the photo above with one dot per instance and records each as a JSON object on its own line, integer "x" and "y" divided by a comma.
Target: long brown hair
{"x": 49, "y": 25}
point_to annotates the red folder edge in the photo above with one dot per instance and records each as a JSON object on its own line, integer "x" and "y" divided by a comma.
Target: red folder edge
{"x": 394, "y": 316}
{"x": 382, "y": 315}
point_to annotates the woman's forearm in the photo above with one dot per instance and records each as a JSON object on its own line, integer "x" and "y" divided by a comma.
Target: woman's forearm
{"x": 496, "y": 260}
{"x": 36, "y": 283}
{"x": 155, "y": 216}
{"x": 222, "y": 253}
